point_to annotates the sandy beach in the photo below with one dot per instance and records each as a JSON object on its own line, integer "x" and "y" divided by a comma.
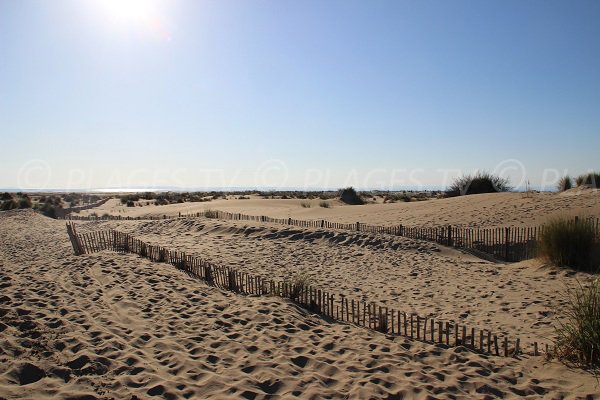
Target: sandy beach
{"x": 108, "y": 325}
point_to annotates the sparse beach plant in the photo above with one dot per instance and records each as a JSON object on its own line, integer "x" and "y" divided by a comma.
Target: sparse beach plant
{"x": 481, "y": 182}
{"x": 305, "y": 204}
{"x": 570, "y": 243}
{"x": 591, "y": 179}
{"x": 325, "y": 204}
{"x": 208, "y": 213}
{"x": 382, "y": 323}
{"x": 578, "y": 331}
{"x": 565, "y": 183}
{"x": 350, "y": 196}
{"x": 8, "y": 205}
{"x": 299, "y": 283}
{"x": 25, "y": 202}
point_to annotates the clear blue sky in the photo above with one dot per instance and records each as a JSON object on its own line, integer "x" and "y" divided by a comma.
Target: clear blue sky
{"x": 296, "y": 93}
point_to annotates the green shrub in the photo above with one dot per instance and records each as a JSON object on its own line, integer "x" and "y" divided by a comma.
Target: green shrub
{"x": 25, "y": 202}
{"x": 49, "y": 209}
{"x": 565, "y": 183}
{"x": 8, "y": 205}
{"x": 570, "y": 243}
{"x": 578, "y": 333}
{"x": 350, "y": 196}
{"x": 6, "y": 196}
{"x": 482, "y": 182}
{"x": 325, "y": 204}
{"x": 590, "y": 179}
{"x": 305, "y": 204}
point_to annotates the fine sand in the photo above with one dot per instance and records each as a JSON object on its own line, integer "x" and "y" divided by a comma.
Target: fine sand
{"x": 109, "y": 325}
{"x": 484, "y": 210}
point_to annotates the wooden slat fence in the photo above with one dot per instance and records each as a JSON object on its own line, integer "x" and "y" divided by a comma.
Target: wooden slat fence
{"x": 508, "y": 243}
{"x": 335, "y": 307}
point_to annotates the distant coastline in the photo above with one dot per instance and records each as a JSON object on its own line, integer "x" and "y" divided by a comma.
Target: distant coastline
{"x": 142, "y": 189}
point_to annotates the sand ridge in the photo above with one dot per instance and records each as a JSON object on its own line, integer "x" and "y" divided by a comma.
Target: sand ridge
{"x": 484, "y": 210}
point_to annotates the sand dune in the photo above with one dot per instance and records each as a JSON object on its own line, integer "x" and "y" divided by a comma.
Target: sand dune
{"x": 116, "y": 326}
{"x": 485, "y": 210}
{"x": 401, "y": 273}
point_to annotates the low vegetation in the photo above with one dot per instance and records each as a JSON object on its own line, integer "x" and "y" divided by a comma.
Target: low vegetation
{"x": 565, "y": 183}
{"x": 578, "y": 331}
{"x": 305, "y": 204}
{"x": 325, "y": 204}
{"x": 47, "y": 205}
{"x": 350, "y": 196}
{"x": 591, "y": 179}
{"x": 570, "y": 243}
{"x": 482, "y": 182}
{"x": 299, "y": 283}
{"x": 211, "y": 213}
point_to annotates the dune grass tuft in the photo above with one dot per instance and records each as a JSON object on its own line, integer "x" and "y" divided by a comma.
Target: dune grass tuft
{"x": 305, "y": 204}
{"x": 299, "y": 283}
{"x": 565, "y": 183}
{"x": 325, "y": 204}
{"x": 591, "y": 179}
{"x": 578, "y": 332}
{"x": 570, "y": 243}
{"x": 482, "y": 182}
{"x": 211, "y": 213}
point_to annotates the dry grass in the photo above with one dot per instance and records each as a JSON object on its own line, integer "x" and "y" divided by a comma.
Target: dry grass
{"x": 578, "y": 333}
{"x": 211, "y": 213}
{"x": 570, "y": 243}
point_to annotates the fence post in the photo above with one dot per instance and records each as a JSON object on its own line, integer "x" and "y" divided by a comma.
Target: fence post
{"x": 358, "y": 226}
{"x": 506, "y": 242}
{"x": 449, "y": 235}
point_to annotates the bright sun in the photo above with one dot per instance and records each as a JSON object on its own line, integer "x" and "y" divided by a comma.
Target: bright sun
{"x": 144, "y": 15}
{"x": 130, "y": 10}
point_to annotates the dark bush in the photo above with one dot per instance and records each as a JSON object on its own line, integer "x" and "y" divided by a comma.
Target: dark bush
{"x": 591, "y": 179}
{"x": 25, "y": 202}
{"x": 49, "y": 209}
{"x": 8, "y": 205}
{"x": 565, "y": 183}
{"x": 350, "y": 196}
{"x": 482, "y": 182}
{"x": 6, "y": 196}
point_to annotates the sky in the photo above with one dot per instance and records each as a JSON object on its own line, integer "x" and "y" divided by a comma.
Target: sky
{"x": 296, "y": 94}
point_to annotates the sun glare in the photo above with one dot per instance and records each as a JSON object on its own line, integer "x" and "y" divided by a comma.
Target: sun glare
{"x": 129, "y": 10}
{"x": 138, "y": 14}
